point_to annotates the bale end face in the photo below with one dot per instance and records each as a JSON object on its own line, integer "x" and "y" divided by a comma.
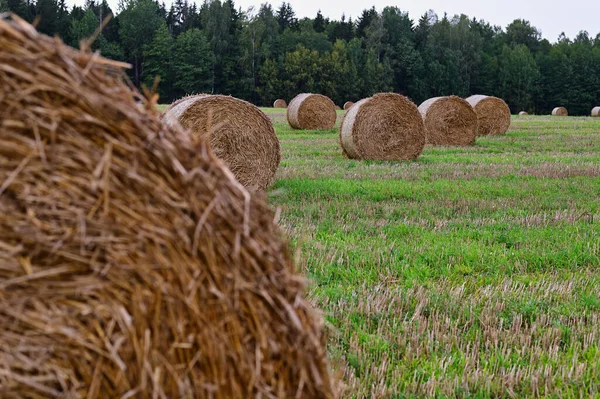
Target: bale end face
{"x": 560, "y": 111}
{"x": 240, "y": 134}
{"x": 311, "y": 112}
{"x": 449, "y": 121}
{"x": 493, "y": 114}
{"x": 279, "y": 104}
{"x": 386, "y": 127}
{"x": 596, "y": 112}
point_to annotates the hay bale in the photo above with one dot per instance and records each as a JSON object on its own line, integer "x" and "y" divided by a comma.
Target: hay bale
{"x": 347, "y": 105}
{"x": 338, "y": 108}
{"x": 280, "y": 104}
{"x": 311, "y": 112}
{"x": 492, "y": 113}
{"x": 133, "y": 263}
{"x": 240, "y": 134}
{"x": 560, "y": 111}
{"x": 596, "y": 112}
{"x": 449, "y": 121}
{"x": 523, "y": 113}
{"x": 386, "y": 127}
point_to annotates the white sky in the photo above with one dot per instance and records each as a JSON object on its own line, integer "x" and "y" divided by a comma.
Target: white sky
{"x": 550, "y": 16}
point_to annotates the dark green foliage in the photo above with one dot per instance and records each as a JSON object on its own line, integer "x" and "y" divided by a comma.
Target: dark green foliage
{"x": 265, "y": 54}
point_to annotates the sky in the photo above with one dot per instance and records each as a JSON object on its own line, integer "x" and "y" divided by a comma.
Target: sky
{"x": 551, "y": 17}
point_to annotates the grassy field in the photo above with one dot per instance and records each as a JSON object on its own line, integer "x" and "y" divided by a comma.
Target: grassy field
{"x": 472, "y": 272}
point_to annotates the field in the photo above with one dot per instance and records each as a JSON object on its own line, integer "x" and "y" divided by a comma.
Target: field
{"x": 470, "y": 272}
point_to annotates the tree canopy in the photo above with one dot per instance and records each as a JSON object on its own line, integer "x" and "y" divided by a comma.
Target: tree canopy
{"x": 267, "y": 53}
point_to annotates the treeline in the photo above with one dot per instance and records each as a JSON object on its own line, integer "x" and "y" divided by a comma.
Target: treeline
{"x": 264, "y": 54}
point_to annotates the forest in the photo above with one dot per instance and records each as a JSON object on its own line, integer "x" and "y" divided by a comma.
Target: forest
{"x": 265, "y": 53}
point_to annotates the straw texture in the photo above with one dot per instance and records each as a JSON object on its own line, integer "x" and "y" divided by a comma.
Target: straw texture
{"x": 280, "y": 104}
{"x": 449, "y": 121}
{"x": 311, "y": 112}
{"x": 385, "y": 127}
{"x": 132, "y": 263}
{"x": 240, "y": 134}
{"x": 492, "y": 113}
{"x": 560, "y": 111}
{"x": 596, "y": 112}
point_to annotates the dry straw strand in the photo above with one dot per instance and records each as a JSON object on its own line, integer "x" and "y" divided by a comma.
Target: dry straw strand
{"x": 311, "y": 112}
{"x": 492, "y": 113}
{"x": 449, "y": 121}
{"x": 560, "y": 111}
{"x": 279, "y": 103}
{"x": 240, "y": 134}
{"x": 385, "y": 127}
{"x": 133, "y": 264}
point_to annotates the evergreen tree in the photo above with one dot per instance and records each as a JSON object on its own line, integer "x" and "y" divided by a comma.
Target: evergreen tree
{"x": 138, "y": 22}
{"x": 319, "y": 23}
{"x": 47, "y": 11}
{"x": 83, "y": 28}
{"x": 158, "y": 57}
{"x": 286, "y": 17}
{"x": 518, "y": 75}
{"x": 192, "y": 63}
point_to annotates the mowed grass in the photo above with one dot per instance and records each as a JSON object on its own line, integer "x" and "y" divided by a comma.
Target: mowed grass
{"x": 471, "y": 272}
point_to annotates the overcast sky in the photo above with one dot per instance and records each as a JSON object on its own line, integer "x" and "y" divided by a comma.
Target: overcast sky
{"x": 550, "y": 16}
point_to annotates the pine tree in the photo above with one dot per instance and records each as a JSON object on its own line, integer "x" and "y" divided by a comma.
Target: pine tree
{"x": 319, "y": 23}
{"x": 158, "y": 58}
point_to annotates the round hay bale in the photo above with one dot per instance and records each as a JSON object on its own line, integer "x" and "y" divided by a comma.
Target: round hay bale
{"x": 449, "y": 121}
{"x": 133, "y": 263}
{"x": 338, "y": 108}
{"x": 384, "y": 127}
{"x": 560, "y": 111}
{"x": 347, "y": 105}
{"x": 596, "y": 112}
{"x": 311, "y": 112}
{"x": 280, "y": 104}
{"x": 492, "y": 113}
{"x": 240, "y": 134}
{"x": 523, "y": 113}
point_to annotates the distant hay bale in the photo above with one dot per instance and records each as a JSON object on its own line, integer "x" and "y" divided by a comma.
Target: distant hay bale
{"x": 133, "y": 264}
{"x": 311, "y": 112}
{"x": 240, "y": 134}
{"x": 492, "y": 113}
{"x": 385, "y": 127}
{"x": 449, "y": 121}
{"x": 560, "y": 111}
{"x": 596, "y": 112}
{"x": 523, "y": 113}
{"x": 280, "y": 104}
{"x": 338, "y": 108}
{"x": 347, "y": 105}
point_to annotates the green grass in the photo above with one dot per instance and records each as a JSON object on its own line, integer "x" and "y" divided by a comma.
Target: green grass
{"x": 471, "y": 272}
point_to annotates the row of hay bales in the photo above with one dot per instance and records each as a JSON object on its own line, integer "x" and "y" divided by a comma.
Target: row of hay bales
{"x": 389, "y": 126}
{"x": 134, "y": 265}
{"x": 562, "y": 111}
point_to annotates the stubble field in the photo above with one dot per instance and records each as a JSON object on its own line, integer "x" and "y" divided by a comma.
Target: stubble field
{"x": 471, "y": 272}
